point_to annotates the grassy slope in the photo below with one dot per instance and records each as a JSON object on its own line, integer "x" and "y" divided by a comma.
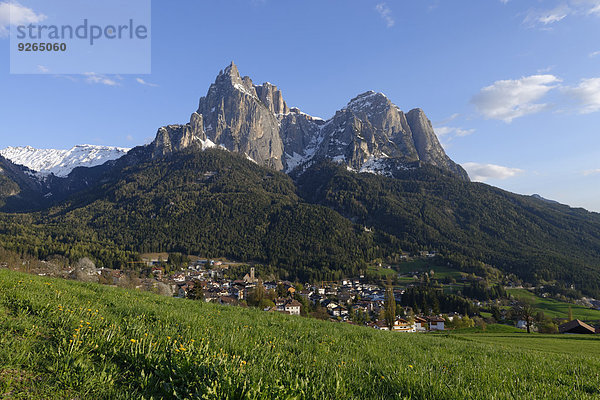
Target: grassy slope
{"x": 582, "y": 345}
{"x": 418, "y": 265}
{"x": 61, "y": 339}
{"x": 554, "y": 308}
{"x": 489, "y": 329}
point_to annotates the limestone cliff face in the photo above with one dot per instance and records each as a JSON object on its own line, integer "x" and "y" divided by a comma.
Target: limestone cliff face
{"x": 256, "y": 121}
{"x": 370, "y": 126}
{"x": 237, "y": 119}
{"x": 427, "y": 145}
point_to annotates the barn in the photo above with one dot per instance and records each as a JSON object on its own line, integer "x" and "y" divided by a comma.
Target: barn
{"x": 576, "y": 326}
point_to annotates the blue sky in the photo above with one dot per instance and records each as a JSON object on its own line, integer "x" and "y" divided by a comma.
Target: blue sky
{"x": 512, "y": 87}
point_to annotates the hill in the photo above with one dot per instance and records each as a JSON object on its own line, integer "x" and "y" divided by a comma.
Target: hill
{"x": 63, "y": 339}
{"x": 554, "y": 308}
{"x": 309, "y": 226}
{"x": 426, "y": 208}
{"x": 213, "y": 203}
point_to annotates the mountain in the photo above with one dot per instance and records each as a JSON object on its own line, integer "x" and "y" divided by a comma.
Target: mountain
{"x": 426, "y": 208}
{"x": 255, "y": 120}
{"x": 213, "y": 202}
{"x": 61, "y": 162}
{"x": 250, "y": 178}
{"x": 370, "y": 134}
{"x": 19, "y": 188}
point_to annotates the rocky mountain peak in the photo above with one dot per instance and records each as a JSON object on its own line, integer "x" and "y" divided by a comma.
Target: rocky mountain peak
{"x": 367, "y": 101}
{"x": 272, "y": 98}
{"x": 231, "y": 72}
{"x": 256, "y": 121}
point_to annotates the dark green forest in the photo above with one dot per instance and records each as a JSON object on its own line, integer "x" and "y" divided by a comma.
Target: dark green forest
{"x": 426, "y": 208}
{"x": 211, "y": 203}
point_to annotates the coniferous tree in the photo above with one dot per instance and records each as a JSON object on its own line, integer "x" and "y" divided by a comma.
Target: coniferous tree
{"x": 390, "y": 306}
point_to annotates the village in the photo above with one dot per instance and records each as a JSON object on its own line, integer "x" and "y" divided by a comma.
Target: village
{"x": 359, "y": 301}
{"x": 350, "y": 300}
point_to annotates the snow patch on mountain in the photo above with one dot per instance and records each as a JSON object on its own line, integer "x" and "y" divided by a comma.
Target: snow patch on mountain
{"x": 377, "y": 166}
{"x": 62, "y": 162}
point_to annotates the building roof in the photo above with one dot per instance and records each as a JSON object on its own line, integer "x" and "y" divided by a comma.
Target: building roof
{"x": 436, "y": 319}
{"x": 576, "y": 326}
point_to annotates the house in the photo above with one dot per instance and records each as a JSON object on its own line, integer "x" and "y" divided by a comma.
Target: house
{"x": 420, "y": 324}
{"x": 576, "y": 326}
{"x": 228, "y": 300}
{"x": 381, "y": 325}
{"x": 183, "y": 290}
{"x": 293, "y": 307}
{"x": 329, "y": 304}
{"x": 280, "y": 303}
{"x": 237, "y": 292}
{"x": 345, "y": 296}
{"x": 402, "y": 325}
{"x": 336, "y": 311}
{"x": 436, "y": 323}
{"x": 522, "y": 324}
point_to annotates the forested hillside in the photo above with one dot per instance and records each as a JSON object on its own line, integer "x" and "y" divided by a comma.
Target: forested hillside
{"x": 327, "y": 223}
{"x": 212, "y": 203}
{"x": 427, "y": 208}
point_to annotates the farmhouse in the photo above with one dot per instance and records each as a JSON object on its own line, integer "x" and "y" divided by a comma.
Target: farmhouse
{"x": 420, "y": 324}
{"x": 436, "y": 323}
{"x": 402, "y": 325}
{"x": 576, "y": 326}
{"x": 293, "y": 307}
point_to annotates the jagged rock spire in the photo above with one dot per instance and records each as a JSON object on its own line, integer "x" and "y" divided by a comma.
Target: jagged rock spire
{"x": 255, "y": 120}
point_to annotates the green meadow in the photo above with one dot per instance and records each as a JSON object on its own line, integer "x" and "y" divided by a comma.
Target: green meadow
{"x": 64, "y": 340}
{"x": 554, "y": 308}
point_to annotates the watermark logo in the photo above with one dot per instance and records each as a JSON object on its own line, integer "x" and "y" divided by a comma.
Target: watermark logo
{"x": 80, "y": 37}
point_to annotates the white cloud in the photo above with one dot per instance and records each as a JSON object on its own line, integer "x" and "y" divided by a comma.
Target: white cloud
{"x": 43, "y": 69}
{"x": 447, "y": 120}
{"x": 555, "y": 15}
{"x": 545, "y": 70}
{"x": 591, "y": 172}
{"x": 129, "y": 138}
{"x": 13, "y": 13}
{"x": 483, "y": 172}
{"x": 594, "y": 10}
{"x": 594, "y": 54}
{"x": 509, "y": 99}
{"x": 448, "y": 130}
{"x": 587, "y": 94}
{"x": 143, "y": 82}
{"x": 566, "y": 9}
{"x": 92, "y": 77}
{"x": 386, "y": 14}
{"x": 588, "y": 7}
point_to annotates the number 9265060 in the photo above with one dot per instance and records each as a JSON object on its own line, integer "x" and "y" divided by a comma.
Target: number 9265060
{"x": 49, "y": 47}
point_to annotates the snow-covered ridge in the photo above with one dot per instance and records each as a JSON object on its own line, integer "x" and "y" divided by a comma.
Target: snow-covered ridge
{"x": 62, "y": 162}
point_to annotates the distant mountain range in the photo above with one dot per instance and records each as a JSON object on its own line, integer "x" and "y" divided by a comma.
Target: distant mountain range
{"x": 61, "y": 162}
{"x": 252, "y": 179}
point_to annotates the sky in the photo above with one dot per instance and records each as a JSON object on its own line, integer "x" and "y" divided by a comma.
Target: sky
{"x": 512, "y": 87}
